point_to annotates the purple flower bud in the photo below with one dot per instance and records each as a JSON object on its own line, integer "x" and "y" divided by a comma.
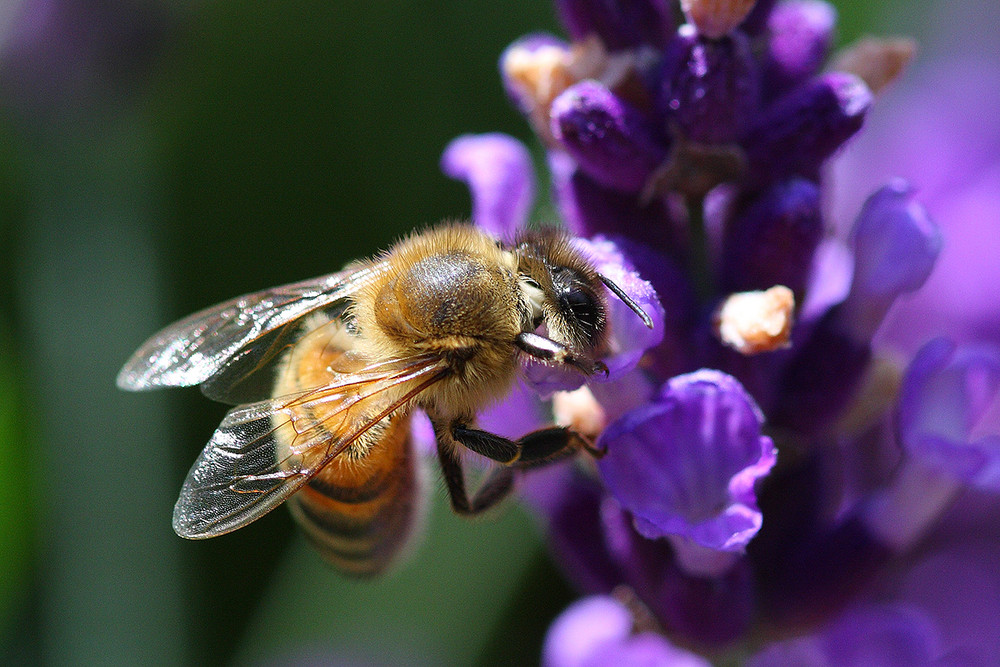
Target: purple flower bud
{"x": 799, "y": 131}
{"x": 597, "y": 631}
{"x": 612, "y": 141}
{"x": 621, "y": 24}
{"x": 686, "y": 465}
{"x": 771, "y": 241}
{"x": 710, "y": 88}
{"x": 800, "y": 35}
{"x": 945, "y": 394}
{"x": 498, "y": 170}
{"x": 895, "y": 246}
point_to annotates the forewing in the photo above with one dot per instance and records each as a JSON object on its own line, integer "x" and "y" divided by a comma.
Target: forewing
{"x": 251, "y": 465}
{"x": 195, "y": 349}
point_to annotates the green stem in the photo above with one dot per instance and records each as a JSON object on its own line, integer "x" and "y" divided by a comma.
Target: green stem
{"x": 699, "y": 265}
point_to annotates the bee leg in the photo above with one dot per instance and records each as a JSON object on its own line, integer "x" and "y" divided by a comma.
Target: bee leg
{"x": 547, "y": 349}
{"x": 552, "y": 444}
{"x": 534, "y": 449}
{"x": 494, "y": 489}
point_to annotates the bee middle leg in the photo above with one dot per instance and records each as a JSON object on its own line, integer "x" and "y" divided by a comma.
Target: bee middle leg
{"x": 535, "y": 449}
{"x": 497, "y": 485}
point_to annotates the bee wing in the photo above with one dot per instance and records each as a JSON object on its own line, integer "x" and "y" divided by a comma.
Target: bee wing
{"x": 246, "y": 470}
{"x": 245, "y": 331}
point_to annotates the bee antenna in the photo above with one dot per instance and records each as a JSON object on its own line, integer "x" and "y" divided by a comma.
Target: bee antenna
{"x": 626, "y": 299}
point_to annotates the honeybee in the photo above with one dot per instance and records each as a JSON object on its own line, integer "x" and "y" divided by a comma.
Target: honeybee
{"x": 327, "y": 372}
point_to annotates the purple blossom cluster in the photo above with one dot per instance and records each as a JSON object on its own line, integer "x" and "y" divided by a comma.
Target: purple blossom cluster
{"x": 772, "y": 481}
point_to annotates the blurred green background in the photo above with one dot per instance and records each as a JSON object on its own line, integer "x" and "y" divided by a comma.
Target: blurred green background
{"x": 158, "y": 157}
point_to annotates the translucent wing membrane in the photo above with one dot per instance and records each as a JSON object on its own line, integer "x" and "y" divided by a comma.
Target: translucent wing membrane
{"x": 264, "y": 452}
{"x": 237, "y": 336}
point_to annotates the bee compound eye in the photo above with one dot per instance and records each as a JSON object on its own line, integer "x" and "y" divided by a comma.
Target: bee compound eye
{"x": 582, "y": 306}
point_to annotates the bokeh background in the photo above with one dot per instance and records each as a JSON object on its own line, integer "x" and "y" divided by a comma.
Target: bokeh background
{"x": 158, "y": 157}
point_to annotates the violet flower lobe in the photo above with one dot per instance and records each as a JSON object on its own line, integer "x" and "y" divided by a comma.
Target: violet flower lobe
{"x": 766, "y": 463}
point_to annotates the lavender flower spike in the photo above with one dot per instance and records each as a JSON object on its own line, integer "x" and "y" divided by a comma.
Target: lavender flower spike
{"x": 686, "y": 464}
{"x": 497, "y": 168}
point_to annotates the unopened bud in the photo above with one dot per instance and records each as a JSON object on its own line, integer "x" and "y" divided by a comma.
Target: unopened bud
{"x": 536, "y": 71}
{"x": 876, "y": 61}
{"x": 754, "y": 322}
{"x": 716, "y": 18}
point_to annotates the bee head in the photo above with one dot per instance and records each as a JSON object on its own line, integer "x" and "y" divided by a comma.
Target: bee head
{"x": 563, "y": 291}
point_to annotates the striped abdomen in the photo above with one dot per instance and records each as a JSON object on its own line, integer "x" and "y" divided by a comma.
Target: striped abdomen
{"x": 360, "y": 512}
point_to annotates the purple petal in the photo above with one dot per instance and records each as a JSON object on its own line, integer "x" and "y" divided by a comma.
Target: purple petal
{"x": 545, "y": 379}
{"x": 710, "y": 89}
{"x": 520, "y": 412}
{"x": 582, "y": 628}
{"x": 498, "y": 171}
{"x": 644, "y": 650}
{"x": 959, "y": 297}
{"x": 958, "y": 586}
{"x": 629, "y": 336}
{"x": 799, "y": 131}
{"x": 829, "y": 279}
{"x": 945, "y": 394}
{"x": 800, "y": 35}
{"x": 422, "y": 433}
{"x": 686, "y": 464}
{"x": 771, "y": 241}
{"x": 610, "y": 140}
{"x": 620, "y": 24}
